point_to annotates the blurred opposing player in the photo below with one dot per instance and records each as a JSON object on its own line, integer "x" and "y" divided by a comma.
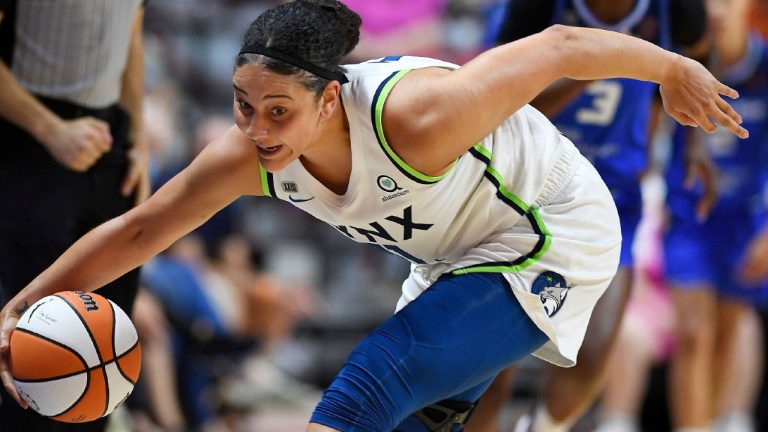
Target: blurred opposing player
{"x": 609, "y": 121}
{"x": 716, "y": 368}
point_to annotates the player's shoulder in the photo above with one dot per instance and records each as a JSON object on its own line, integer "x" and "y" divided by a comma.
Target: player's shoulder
{"x": 370, "y": 82}
{"x": 392, "y": 64}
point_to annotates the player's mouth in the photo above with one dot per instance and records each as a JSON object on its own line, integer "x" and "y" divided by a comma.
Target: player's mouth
{"x": 268, "y": 152}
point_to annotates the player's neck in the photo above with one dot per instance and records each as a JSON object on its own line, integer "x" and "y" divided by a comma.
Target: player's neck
{"x": 611, "y": 11}
{"x": 330, "y": 159}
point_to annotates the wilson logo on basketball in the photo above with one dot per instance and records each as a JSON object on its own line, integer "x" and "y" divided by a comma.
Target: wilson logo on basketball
{"x": 88, "y": 301}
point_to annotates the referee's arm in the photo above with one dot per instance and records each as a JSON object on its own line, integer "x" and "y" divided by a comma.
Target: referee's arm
{"x": 131, "y": 99}
{"x": 18, "y": 106}
{"x": 76, "y": 144}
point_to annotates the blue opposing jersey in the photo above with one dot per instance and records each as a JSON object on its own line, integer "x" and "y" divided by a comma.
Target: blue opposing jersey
{"x": 739, "y": 162}
{"x": 609, "y": 121}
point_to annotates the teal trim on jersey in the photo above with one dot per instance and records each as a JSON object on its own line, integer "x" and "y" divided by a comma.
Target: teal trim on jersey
{"x": 530, "y": 213}
{"x": 378, "y": 108}
{"x": 265, "y": 180}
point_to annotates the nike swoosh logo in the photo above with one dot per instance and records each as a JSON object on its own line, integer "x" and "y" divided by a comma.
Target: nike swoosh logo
{"x": 299, "y": 200}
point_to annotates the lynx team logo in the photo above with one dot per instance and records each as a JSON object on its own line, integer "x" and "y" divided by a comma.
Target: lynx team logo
{"x": 552, "y": 289}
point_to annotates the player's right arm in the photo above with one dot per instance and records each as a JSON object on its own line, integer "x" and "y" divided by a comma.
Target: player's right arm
{"x": 434, "y": 116}
{"x": 227, "y": 169}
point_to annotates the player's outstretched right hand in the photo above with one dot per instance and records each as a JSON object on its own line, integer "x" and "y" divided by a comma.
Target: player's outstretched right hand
{"x": 8, "y": 319}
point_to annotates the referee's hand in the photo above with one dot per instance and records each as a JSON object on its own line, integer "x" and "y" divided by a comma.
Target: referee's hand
{"x": 78, "y": 144}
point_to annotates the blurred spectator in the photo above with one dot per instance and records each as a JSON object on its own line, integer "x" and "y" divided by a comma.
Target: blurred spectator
{"x": 759, "y": 16}
{"x": 264, "y": 308}
{"x": 399, "y": 27}
{"x": 158, "y": 367}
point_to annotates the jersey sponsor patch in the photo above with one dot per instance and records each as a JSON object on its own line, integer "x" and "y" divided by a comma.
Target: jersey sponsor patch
{"x": 389, "y": 185}
{"x": 552, "y": 290}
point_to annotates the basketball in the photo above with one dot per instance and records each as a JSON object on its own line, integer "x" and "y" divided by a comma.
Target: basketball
{"x": 74, "y": 356}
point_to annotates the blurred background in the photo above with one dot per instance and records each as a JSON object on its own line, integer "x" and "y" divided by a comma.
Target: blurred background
{"x": 245, "y": 321}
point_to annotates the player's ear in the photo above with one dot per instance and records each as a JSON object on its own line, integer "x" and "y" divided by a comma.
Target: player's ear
{"x": 330, "y": 98}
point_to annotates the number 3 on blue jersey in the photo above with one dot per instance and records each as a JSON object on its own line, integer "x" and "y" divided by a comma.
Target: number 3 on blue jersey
{"x": 606, "y": 96}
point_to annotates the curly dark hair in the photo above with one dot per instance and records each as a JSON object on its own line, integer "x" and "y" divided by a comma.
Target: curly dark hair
{"x": 321, "y": 32}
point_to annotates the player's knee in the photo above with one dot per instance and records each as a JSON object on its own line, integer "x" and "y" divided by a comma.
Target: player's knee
{"x": 374, "y": 389}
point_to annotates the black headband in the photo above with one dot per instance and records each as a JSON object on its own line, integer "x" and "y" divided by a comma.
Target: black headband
{"x": 257, "y": 48}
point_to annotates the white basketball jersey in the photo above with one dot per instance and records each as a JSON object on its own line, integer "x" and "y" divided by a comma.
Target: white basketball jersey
{"x": 421, "y": 218}
{"x": 437, "y": 223}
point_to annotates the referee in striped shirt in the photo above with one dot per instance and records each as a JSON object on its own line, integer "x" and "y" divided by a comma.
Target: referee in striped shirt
{"x": 72, "y": 149}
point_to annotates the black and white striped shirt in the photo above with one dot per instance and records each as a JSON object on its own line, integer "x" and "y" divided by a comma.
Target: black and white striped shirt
{"x": 75, "y": 50}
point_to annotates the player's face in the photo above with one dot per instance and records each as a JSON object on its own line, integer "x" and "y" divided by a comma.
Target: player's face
{"x": 727, "y": 15}
{"x": 276, "y": 112}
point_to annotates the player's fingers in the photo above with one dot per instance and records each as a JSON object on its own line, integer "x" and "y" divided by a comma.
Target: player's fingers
{"x": 683, "y": 119}
{"x": 4, "y": 342}
{"x": 10, "y": 387}
{"x": 5, "y": 373}
{"x": 728, "y": 122}
{"x": 727, "y": 91}
{"x": 704, "y": 122}
{"x": 726, "y": 108}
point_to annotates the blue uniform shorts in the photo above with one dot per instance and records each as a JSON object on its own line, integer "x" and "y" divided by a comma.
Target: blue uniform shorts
{"x": 449, "y": 343}
{"x": 711, "y": 252}
{"x": 629, "y": 218}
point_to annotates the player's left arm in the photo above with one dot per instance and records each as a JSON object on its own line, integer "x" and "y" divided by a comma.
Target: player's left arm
{"x": 434, "y": 116}
{"x": 136, "y": 180}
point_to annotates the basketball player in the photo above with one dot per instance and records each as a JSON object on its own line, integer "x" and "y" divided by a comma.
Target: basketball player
{"x": 715, "y": 372}
{"x": 511, "y": 233}
{"x": 609, "y": 122}
{"x": 72, "y": 150}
